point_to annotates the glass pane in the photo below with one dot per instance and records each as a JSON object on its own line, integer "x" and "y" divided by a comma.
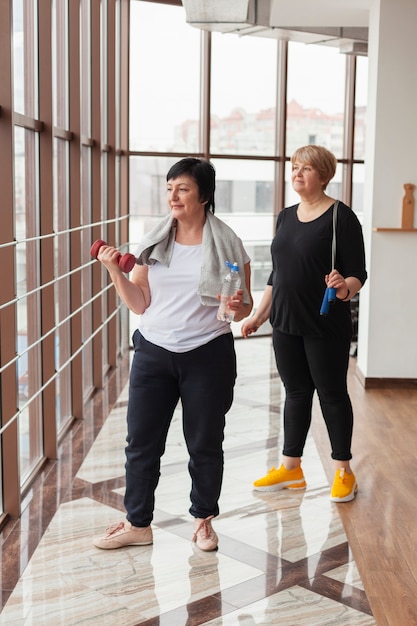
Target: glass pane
{"x": 28, "y": 307}
{"x": 60, "y": 62}
{"x": 358, "y": 177}
{"x": 62, "y": 295}
{"x": 315, "y": 97}
{"x": 164, "y": 79}
{"x": 25, "y": 57}
{"x": 244, "y": 200}
{"x": 104, "y": 70}
{"x": 111, "y": 238}
{"x": 148, "y": 201}
{"x": 86, "y": 196}
{"x": 361, "y": 102}
{"x": 86, "y": 68}
{"x": 118, "y": 81}
{"x": 87, "y": 326}
{"x": 243, "y": 95}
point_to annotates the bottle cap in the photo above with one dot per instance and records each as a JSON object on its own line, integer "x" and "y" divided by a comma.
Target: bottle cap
{"x": 232, "y": 266}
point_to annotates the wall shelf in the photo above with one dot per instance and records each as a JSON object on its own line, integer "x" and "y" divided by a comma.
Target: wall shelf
{"x": 395, "y": 230}
{"x": 407, "y": 216}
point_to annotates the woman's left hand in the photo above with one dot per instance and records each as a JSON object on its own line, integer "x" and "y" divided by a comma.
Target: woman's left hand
{"x": 337, "y": 281}
{"x": 236, "y": 301}
{"x": 239, "y": 308}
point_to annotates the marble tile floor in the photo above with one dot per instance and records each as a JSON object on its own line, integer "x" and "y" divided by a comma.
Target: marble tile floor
{"x": 283, "y": 557}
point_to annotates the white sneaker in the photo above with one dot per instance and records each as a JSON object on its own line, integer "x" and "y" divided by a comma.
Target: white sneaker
{"x": 204, "y": 535}
{"x": 124, "y": 534}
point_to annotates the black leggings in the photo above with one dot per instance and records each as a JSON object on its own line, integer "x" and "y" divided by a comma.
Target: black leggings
{"x": 306, "y": 364}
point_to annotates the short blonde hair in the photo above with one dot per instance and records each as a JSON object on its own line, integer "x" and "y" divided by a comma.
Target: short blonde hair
{"x": 318, "y": 157}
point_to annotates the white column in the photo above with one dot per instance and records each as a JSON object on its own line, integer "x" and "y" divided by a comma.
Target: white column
{"x": 387, "y": 345}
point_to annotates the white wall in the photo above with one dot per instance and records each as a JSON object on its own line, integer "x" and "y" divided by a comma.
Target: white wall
{"x": 388, "y": 306}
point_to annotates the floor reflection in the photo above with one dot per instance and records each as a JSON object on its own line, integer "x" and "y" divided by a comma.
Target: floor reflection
{"x": 283, "y": 556}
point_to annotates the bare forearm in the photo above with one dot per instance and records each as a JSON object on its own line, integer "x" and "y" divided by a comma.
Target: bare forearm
{"x": 129, "y": 292}
{"x": 243, "y": 312}
{"x": 353, "y": 286}
{"x": 261, "y": 314}
{"x": 245, "y": 309}
{"x": 133, "y": 291}
{"x": 346, "y": 288}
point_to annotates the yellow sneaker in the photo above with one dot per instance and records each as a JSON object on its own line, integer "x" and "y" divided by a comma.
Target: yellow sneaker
{"x": 281, "y": 479}
{"x": 344, "y": 486}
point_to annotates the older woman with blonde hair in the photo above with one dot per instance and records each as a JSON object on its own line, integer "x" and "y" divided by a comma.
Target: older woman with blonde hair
{"x": 312, "y": 349}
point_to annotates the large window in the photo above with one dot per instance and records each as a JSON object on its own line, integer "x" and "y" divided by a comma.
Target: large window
{"x": 73, "y": 171}
{"x": 62, "y": 187}
{"x": 239, "y": 123}
{"x": 28, "y": 309}
{"x": 26, "y": 187}
{"x": 61, "y": 213}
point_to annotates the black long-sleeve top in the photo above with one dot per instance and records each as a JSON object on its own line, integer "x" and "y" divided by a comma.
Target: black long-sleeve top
{"x": 301, "y": 257}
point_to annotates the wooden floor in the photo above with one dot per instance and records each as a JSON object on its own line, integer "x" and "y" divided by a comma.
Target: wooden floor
{"x": 381, "y": 524}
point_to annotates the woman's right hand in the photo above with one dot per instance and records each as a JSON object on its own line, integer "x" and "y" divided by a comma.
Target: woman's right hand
{"x": 109, "y": 257}
{"x": 249, "y": 327}
{"x": 261, "y": 314}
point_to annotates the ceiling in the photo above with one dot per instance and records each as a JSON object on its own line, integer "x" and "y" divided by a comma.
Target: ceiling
{"x": 338, "y": 23}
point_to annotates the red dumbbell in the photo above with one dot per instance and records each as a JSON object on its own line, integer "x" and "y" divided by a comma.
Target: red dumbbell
{"x": 126, "y": 261}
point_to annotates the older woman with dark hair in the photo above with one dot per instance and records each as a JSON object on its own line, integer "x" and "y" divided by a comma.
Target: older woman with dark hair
{"x": 312, "y": 350}
{"x": 182, "y": 351}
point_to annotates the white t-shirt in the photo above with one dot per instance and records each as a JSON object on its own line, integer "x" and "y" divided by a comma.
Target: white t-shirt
{"x": 175, "y": 319}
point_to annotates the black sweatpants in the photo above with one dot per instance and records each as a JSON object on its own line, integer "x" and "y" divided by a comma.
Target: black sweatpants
{"x": 306, "y": 364}
{"x": 203, "y": 379}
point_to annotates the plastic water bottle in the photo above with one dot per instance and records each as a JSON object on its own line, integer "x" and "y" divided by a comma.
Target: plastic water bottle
{"x": 230, "y": 284}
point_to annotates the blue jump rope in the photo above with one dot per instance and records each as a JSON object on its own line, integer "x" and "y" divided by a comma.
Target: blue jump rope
{"x": 330, "y": 293}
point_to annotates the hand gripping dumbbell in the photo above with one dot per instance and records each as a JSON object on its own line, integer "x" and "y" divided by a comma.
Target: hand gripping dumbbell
{"x": 126, "y": 261}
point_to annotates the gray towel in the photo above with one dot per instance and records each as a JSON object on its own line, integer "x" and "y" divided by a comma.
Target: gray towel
{"x": 220, "y": 244}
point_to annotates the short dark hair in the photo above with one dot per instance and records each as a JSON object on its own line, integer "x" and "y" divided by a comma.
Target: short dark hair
{"x": 204, "y": 174}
